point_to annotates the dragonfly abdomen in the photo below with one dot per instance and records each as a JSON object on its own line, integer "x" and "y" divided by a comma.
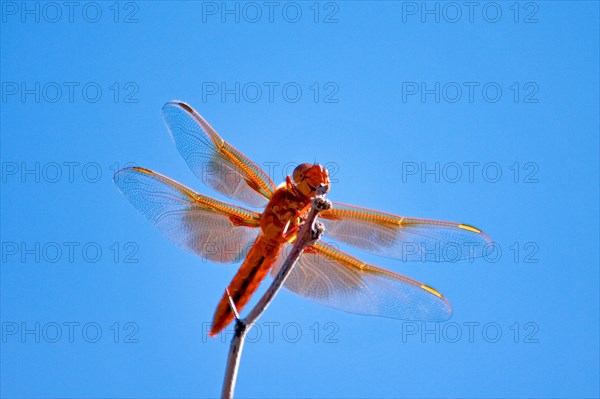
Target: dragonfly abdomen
{"x": 261, "y": 257}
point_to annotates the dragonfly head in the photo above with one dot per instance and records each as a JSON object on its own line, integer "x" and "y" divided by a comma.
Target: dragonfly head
{"x": 308, "y": 178}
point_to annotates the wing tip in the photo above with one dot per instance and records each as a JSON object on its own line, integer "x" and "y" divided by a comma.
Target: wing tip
{"x": 122, "y": 177}
{"x": 182, "y": 105}
{"x": 189, "y": 111}
{"x": 432, "y": 291}
{"x": 131, "y": 169}
{"x": 469, "y": 228}
{"x": 177, "y": 103}
{"x": 447, "y": 314}
{"x": 475, "y": 230}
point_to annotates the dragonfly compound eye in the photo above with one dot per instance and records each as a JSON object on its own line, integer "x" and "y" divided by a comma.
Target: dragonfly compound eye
{"x": 300, "y": 172}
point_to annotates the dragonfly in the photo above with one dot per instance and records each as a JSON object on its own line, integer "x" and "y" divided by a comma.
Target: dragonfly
{"x": 226, "y": 233}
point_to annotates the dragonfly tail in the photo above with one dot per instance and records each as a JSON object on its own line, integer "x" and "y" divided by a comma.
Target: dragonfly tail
{"x": 260, "y": 259}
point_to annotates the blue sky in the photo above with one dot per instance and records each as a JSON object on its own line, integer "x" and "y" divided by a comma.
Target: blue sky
{"x": 484, "y": 114}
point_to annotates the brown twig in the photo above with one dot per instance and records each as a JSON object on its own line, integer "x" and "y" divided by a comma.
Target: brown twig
{"x": 309, "y": 232}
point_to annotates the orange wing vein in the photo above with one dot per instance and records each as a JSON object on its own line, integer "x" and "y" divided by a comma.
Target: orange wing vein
{"x": 214, "y": 161}
{"x": 212, "y": 229}
{"x": 403, "y": 238}
{"x": 333, "y": 278}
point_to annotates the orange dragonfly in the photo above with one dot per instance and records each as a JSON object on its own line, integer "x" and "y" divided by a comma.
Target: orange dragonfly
{"x": 223, "y": 232}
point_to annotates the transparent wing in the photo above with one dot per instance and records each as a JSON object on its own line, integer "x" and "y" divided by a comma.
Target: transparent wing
{"x": 403, "y": 238}
{"x": 213, "y": 160}
{"x": 335, "y": 279}
{"x": 212, "y": 229}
